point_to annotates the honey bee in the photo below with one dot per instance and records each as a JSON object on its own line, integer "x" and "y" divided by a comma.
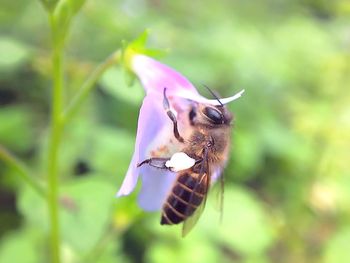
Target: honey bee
{"x": 202, "y": 157}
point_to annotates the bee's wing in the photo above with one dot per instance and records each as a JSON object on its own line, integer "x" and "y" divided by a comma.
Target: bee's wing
{"x": 218, "y": 190}
{"x": 220, "y": 196}
{"x": 202, "y": 186}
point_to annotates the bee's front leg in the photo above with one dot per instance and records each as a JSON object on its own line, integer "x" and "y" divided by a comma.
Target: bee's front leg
{"x": 159, "y": 163}
{"x": 172, "y": 117}
{"x": 178, "y": 162}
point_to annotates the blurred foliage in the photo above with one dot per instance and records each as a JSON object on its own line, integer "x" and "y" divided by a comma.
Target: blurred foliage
{"x": 287, "y": 192}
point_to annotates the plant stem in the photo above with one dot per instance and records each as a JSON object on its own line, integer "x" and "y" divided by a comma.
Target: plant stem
{"x": 22, "y": 170}
{"x": 54, "y": 142}
{"x": 89, "y": 84}
{"x": 58, "y": 120}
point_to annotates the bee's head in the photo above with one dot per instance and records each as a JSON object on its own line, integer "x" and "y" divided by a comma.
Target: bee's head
{"x": 210, "y": 115}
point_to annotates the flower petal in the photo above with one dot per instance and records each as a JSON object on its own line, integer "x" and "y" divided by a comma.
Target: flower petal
{"x": 147, "y": 131}
{"x": 198, "y": 98}
{"x": 155, "y": 130}
{"x": 156, "y": 185}
{"x": 156, "y": 76}
{"x": 153, "y": 139}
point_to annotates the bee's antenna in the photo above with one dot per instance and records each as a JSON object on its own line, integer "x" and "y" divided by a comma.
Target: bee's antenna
{"x": 214, "y": 95}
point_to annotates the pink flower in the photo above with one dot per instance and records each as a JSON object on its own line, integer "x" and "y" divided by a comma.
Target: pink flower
{"x": 155, "y": 136}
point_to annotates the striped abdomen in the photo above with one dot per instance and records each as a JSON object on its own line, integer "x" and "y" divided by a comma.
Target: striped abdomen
{"x": 187, "y": 194}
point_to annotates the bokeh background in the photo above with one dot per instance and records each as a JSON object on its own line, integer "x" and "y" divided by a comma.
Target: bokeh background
{"x": 287, "y": 192}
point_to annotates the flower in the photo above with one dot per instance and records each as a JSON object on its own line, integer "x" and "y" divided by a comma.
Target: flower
{"x": 155, "y": 130}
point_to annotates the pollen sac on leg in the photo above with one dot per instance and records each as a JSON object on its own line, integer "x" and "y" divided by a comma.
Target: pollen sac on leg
{"x": 180, "y": 161}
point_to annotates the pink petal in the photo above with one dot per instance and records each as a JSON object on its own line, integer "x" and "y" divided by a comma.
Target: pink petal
{"x": 152, "y": 121}
{"x": 156, "y": 76}
{"x": 155, "y": 130}
{"x": 156, "y": 184}
{"x": 147, "y": 130}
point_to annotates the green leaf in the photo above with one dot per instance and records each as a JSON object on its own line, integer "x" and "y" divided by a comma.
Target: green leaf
{"x": 113, "y": 83}
{"x": 193, "y": 248}
{"x": 13, "y": 53}
{"x": 79, "y": 132}
{"x": 13, "y": 122}
{"x": 20, "y": 246}
{"x": 112, "y": 253}
{"x": 247, "y": 150}
{"x": 86, "y": 214}
{"x": 106, "y": 150}
{"x": 49, "y": 5}
{"x": 86, "y": 206}
{"x": 76, "y": 5}
{"x": 61, "y": 21}
{"x": 63, "y": 15}
{"x": 246, "y": 227}
{"x": 112, "y": 151}
{"x": 141, "y": 41}
{"x": 337, "y": 249}
{"x": 138, "y": 46}
{"x": 245, "y": 218}
{"x": 246, "y": 231}
{"x": 72, "y": 6}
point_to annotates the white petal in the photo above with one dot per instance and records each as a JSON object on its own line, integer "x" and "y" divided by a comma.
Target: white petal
{"x": 229, "y": 99}
{"x": 198, "y": 98}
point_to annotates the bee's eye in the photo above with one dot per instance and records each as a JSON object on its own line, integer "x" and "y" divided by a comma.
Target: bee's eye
{"x": 214, "y": 115}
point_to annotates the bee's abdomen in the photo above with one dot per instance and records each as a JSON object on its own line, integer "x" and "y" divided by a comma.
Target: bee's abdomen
{"x": 185, "y": 197}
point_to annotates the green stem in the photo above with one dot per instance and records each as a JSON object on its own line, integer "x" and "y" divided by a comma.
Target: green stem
{"x": 54, "y": 142}
{"x": 22, "y": 170}
{"x": 58, "y": 120}
{"x": 89, "y": 84}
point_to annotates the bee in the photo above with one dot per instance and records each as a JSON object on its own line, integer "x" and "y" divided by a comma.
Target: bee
{"x": 203, "y": 154}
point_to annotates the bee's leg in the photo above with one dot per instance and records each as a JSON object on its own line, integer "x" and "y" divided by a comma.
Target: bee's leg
{"x": 179, "y": 161}
{"x": 155, "y": 162}
{"x": 172, "y": 117}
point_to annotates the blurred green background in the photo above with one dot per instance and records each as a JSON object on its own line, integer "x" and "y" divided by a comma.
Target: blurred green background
{"x": 287, "y": 192}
